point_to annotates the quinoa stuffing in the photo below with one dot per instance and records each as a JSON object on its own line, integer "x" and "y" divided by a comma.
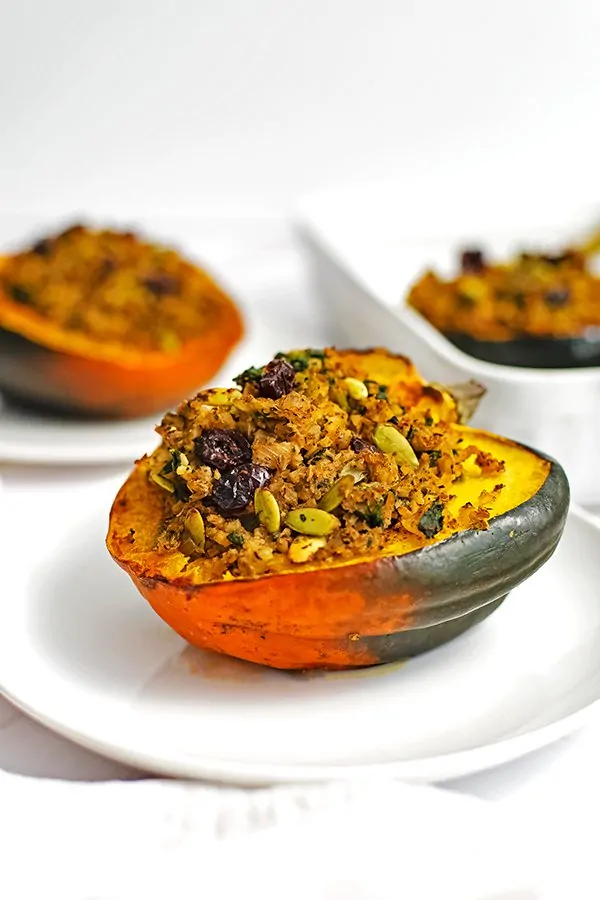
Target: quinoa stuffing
{"x": 112, "y": 286}
{"x": 533, "y": 295}
{"x": 309, "y": 462}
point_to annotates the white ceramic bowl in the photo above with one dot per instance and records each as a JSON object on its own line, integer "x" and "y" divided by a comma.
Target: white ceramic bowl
{"x": 367, "y": 245}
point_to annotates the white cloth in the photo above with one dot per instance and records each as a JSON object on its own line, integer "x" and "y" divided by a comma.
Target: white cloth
{"x": 157, "y": 839}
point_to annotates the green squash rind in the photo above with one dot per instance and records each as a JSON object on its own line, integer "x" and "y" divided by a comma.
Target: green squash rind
{"x": 463, "y": 579}
{"x": 532, "y": 353}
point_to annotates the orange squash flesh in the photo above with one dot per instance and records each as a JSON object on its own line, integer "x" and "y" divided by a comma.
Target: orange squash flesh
{"x": 47, "y": 366}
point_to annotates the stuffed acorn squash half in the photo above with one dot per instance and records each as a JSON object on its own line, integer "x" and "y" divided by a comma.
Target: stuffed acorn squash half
{"x": 333, "y": 512}
{"x": 101, "y": 323}
{"x": 538, "y": 310}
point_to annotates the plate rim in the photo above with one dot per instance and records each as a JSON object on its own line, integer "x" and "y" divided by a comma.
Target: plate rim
{"x": 428, "y": 769}
{"x": 96, "y": 453}
{"x": 122, "y": 456}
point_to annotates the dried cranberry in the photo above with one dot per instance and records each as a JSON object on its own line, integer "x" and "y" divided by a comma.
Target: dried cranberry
{"x": 472, "y": 260}
{"x": 42, "y": 248}
{"x": 222, "y": 448}
{"x": 108, "y": 265}
{"x": 557, "y": 298}
{"x": 235, "y": 489}
{"x": 19, "y": 293}
{"x": 357, "y": 444}
{"x": 277, "y": 379}
{"x": 160, "y": 285}
{"x": 105, "y": 269}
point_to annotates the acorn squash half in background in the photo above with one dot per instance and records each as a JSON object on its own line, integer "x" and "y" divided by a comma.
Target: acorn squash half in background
{"x": 538, "y": 310}
{"x": 100, "y": 323}
{"x": 333, "y": 513}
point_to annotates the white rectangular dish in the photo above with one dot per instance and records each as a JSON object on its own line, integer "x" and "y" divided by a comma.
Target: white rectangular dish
{"x": 367, "y": 245}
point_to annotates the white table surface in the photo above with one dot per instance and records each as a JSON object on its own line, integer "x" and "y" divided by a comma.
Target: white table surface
{"x": 546, "y": 788}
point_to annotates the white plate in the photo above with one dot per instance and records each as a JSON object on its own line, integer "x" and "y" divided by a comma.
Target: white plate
{"x": 81, "y": 651}
{"x": 29, "y": 438}
{"x": 369, "y": 244}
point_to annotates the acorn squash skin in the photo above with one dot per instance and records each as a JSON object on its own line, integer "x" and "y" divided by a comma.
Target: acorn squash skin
{"x": 366, "y": 613}
{"x": 531, "y": 353}
{"x": 52, "y": 381}
{"x": 54, "y": 371}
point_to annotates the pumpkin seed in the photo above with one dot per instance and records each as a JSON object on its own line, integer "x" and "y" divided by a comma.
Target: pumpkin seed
{"x": 302, "y": 548}
{"x": 350, "y": 469}
{"x": 473, "y": 287}
{"x": 163, "y": 482}
{"x": 336, "y": 493}
{"x": 264, "y": 553}
{"x": 389, "y": 440}
{"x": 357, "y": 389}
{"x": 194, "y": 524}
{"x": 267, "y": 510}
{"x": 221, "y": 397}
{"x": 314, "y": 522}
{"x": 184, "y": 465}
{"x": 339, "y": 397}
{"x": 187, "y": 546}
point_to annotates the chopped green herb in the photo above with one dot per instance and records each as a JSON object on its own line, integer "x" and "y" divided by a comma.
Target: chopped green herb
{"x": 410, "y": 434}
{"x": 317, "y": 455}
{"x": 299, "y": 359}
{"x": 237, "y": 540}
{"x": 433, "y": 455}
{"x": 173, "y": 463}
{"x": 428, "y": 421}
{"x": 299, "y": 364}
{"x": 432, "y": 520}
{"x": 19, "y": 293}
{"x": 371, "y": 514}
{"x": 251, "y": 374}
{"x": 379, "y": 391}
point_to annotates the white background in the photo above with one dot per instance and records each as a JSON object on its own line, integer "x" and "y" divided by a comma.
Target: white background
{"x": 139, "y": 108}
{"x": 235, "y": 107}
